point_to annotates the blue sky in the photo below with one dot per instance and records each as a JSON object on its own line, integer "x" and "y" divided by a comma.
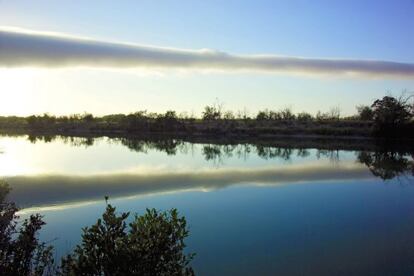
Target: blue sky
{"x": 379, "y": 30}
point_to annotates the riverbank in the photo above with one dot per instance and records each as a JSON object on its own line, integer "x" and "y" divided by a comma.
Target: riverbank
{"x": 341, "y": 133}
{"x": 122, "y": 124}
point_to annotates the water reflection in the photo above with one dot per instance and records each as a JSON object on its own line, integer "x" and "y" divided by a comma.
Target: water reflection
{"x": 383, "y": 162}
{"x": 260, "y": 207}
{"x": 55, "y": 189}
{"x": 73, "y": 141}
{"x": 51, "y": 188}
{"x": 211, "y": 152}
{"x": 387, "y": 164}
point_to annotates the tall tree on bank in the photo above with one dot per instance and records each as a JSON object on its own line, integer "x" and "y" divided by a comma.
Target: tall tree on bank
{"x": 391, "y": 115}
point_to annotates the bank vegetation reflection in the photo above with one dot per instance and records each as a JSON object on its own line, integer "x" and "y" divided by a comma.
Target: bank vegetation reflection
{"x": 41, "y": 190}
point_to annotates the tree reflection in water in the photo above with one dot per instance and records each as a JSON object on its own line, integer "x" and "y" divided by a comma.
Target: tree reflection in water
{"x": 387, "y": 164}
{"x": 383, "y": 161}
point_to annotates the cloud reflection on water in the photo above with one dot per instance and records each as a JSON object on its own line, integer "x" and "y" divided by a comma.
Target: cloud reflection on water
{"x": 44, "y": 190}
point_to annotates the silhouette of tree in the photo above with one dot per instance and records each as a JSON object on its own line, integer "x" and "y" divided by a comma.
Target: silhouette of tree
{"x": 211, "y": 113}
{"x": 21, "y": 253}
{"x": 287, "y": 114}
{"x": 262, "y": 116}
{"x": 167, "y": 121}
{"x": 390, "y": 113}
{"x": 229, "y": 115}
{"x": 87, "y": 117}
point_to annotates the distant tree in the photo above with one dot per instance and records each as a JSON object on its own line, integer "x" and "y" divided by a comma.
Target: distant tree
{"x": 262, "y": 116}
{"x": 287, "y": 114}
{"x": 32, "y": 121}
{"x": 334, "y": 113}
{"x": 365, "y": 112}
{"x": 244, "y": 114}
{"x": 304, "y": 117}
{"x": 87, "y": 117}
{"x": 229, "y": 115}
{"x": 273, "y": 115}
{"x": 321, "y": 116}
{"x": 170, "y": 116}
{"x": 75, "y": 117}
{"x": 211, "y": 113}
{"x": 167, "y": 121}
{"x": 152, "y": 245}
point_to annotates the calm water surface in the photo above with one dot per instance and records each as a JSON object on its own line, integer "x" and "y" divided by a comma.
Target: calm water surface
{"x": 251, "y": 210}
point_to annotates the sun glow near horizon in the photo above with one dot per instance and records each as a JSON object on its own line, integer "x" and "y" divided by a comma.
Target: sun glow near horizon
{"x": 16, "y": 86}
{"x": 100, "y": 90}
{"x": 120, "y": 66}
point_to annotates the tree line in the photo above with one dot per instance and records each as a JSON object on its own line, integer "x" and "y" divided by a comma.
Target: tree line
{"x": 388, "y": 116}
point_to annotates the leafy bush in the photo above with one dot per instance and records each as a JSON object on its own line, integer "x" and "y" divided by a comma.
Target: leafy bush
{"x": 153, "y": 245}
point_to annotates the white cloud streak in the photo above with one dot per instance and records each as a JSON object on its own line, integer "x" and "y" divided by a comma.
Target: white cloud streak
{"x": 31, "y": 49}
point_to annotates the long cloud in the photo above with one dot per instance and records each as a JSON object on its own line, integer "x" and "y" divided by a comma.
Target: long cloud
{"x": 29, "y": 49}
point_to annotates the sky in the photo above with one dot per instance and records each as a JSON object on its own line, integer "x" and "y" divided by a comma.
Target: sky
{"x": 102, "y": 57}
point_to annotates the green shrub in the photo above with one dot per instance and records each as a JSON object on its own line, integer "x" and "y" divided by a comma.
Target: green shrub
{"x": 152, "y": 245}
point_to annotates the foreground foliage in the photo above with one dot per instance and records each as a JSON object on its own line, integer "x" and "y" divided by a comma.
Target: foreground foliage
{"x": 21, "y": 253}
{"x": 152, "y": 244}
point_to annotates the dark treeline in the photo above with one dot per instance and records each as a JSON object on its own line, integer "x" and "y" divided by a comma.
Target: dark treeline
{"x": 386, "y": 117}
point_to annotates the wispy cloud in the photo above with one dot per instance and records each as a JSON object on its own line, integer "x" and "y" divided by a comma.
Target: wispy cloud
{"x": 33, "y": 49}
